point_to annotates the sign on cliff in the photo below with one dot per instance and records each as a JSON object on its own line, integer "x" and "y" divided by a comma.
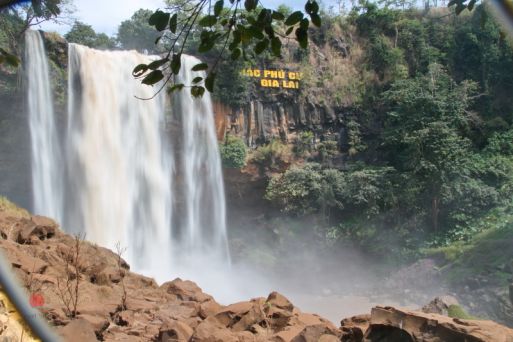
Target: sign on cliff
{"x": 270, "y": 78}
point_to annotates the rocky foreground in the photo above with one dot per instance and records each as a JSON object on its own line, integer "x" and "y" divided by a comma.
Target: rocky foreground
{"x": 89, "y": 294}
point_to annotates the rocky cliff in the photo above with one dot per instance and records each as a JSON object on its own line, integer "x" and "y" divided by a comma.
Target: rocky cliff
{"x": 261, "y": 121}
{"x": 89, "y": 294}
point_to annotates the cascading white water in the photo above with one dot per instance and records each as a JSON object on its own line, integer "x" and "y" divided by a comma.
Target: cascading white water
{"x": 46, "y": 161}
{"x": 203, "y": 231}
{"x": 119, "y": 170}
{"x": 120, "y": 166}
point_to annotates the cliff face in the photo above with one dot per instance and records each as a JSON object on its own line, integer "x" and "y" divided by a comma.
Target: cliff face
{"x": 260, "y": 121}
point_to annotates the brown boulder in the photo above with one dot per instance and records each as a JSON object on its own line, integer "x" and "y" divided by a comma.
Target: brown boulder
{"x": 78, "y": 330}
{"x": 175, "y": 331}
{"x": 185, "y": 290}
{"x": 210, "y": 330}
{"x": 402, "y": 325}
{"x": 313, "y": 333}
{"x": 353, "y": 329}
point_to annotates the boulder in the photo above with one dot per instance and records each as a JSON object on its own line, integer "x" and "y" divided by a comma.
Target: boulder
{"x": 185, "y": 290}
{"x": 78, "y": 330}
{"x": 392, "y": 324}
{"x": 440, "y": 305}
{"x": 175, "y": 331}
{"x": 353, "y": 328}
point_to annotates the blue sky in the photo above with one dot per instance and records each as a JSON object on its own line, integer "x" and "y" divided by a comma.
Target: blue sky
{"x": 106, "y": 15}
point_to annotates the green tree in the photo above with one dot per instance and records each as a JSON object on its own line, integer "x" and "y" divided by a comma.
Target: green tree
{"x": 233, "y": 152}
{"x": 135, "y": 33}
{"x": 84, "y": 34}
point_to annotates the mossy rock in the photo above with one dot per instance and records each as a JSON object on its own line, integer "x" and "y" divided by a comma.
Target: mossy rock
{"x": 456, "y": 311}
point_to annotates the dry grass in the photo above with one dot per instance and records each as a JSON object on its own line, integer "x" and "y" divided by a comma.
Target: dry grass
{"x": 12, "y": 209}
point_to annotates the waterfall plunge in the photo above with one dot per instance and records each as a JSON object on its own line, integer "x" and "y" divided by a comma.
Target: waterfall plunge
{"x": 125, "y": 179}
{"x": 46, "y": 161}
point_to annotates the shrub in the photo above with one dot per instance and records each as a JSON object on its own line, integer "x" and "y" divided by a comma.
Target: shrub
{"x": 269, "y": 155}
{"x": 233, "y": 152}
{"x": 303, "y": 144}
{"x": 327, "y": 150}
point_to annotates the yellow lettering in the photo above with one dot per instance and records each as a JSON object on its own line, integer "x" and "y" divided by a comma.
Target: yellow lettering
{"x": 275, "y": 84}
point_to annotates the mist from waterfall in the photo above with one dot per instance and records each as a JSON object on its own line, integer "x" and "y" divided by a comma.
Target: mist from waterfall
{"x": 124, "y": 177}
{"x": 45, "y": 158}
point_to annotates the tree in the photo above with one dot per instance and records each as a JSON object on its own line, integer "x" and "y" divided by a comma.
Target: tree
{"x": 84, "y": 34}
{"x": 135, "y": 33}
{"x": 424, "y": 132}
{"x": 233, "y": 152}
{"x": 15, "y": 19}
{"x": 241, "y": 29}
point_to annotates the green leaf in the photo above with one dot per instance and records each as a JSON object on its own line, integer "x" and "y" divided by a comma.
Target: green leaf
{"x": 302, "y": 37}
{"x": 197, "y": 79}
{"x": 208, "y": 21}
{"x": 312, "y": 7}
{"x": 200, "y": 67}
{"x": 158, "y": 63}
{"x": 140, "y": 70}
{"x": 289, "y": 30}
{"x": 175, "y": 87}
{"x": 218, "y": 7}
{"x": 278, "y": 16}
{"x": 173, "y": 23}
{"x": 276, "y": 46}
{"x": 176, "y": 63}
{"x": 236, "y": 53}
{"x": 153, "y": 77}
{"x": 460, "y": 8}
{"x": 250, "y": 5}
{"x": 294, "y": 18}
{"x": 210, "y": 81}
{"x": 159, "y": 19}
{"x": 261, "y": 46}
{"x": 471, "y": 5}
{"x": 197, "y": 91}
{"x": 206, "y": 45}
{"x": 255, "y": 32}
{"x": 304, "y": 24}
{"x": 316, "y": 20}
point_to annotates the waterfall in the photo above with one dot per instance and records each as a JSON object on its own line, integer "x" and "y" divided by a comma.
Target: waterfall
{"x": 128, "y": 179}
{"x": 204, "y": 221}
{"x": 45, "y": 159}
{"x": 119, "y": 171}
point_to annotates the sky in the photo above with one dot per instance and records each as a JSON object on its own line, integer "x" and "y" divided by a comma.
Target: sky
{"x": 106, "y": 15}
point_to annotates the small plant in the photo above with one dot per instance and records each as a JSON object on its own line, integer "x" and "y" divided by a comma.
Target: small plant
{"x": 303, "y": 144}
{"x": 68, "y": 286}
{"x": 119, "y": 251}
{"x": 327, "y": 150}
{"x": 270, "y": 155}
{"x": 233, "y": 152}
{"x": 456, "y": 311}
